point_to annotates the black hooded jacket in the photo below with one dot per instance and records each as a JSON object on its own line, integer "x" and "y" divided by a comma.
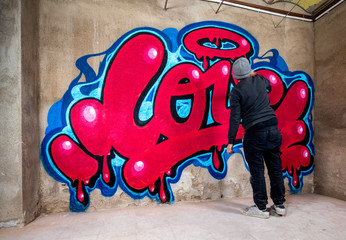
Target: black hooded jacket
{"x": 250, "y": 103}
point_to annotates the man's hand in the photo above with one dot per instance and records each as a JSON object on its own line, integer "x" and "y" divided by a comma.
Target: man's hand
{"x": 230, "y": 149}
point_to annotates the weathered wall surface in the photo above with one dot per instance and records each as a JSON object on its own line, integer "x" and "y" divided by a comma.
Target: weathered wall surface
{"x": 30, "y": 110}
{"x": 330, "y": 105}
{"x": 71, "y": 29}
{"x": 10, "y": 114}
{"x": 19, "y": 139}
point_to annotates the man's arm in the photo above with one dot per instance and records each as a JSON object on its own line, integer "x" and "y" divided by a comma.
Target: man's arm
{"x": 234, "y": 120}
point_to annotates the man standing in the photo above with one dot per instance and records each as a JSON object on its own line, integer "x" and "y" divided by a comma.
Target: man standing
{"x": 262, "y": 140}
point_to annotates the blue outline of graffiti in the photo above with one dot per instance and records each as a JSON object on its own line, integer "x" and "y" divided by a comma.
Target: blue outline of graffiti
{"x": 58, "y": 116}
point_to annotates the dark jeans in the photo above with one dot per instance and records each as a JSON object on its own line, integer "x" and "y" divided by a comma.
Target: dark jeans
{"x": 265, "y": 144}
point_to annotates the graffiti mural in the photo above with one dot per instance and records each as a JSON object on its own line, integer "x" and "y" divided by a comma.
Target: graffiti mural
{"x": 158, "y": 103}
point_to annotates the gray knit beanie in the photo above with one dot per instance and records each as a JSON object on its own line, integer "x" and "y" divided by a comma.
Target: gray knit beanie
{"x": 241, "y": 68}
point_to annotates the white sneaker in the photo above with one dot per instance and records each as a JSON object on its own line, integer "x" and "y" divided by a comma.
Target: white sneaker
{"x": 254, "y": 211}
{"x": 279, "y": 209}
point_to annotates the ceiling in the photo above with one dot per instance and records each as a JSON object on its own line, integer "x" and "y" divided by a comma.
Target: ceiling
{"x": 310, "y": 6}
{"x": 306, "y": 10}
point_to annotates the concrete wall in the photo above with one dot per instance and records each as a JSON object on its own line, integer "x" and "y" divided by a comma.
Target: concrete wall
{"x": 19, "y": 94}
{"x": 330, "y": 105}
{"x": 30, "y": 110}
{"x": 71, "y": 29}
{"x": 10, "y": 117}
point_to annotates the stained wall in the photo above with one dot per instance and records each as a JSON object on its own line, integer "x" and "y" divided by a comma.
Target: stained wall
{"x": 19, "y": 96}
{"x": 330, "y": 104}
{"x": 10, "y": 117}
{"x": 30, "y": 111}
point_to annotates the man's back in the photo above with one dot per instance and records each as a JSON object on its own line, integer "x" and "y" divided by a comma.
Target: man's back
{"x": 252, "y": 97}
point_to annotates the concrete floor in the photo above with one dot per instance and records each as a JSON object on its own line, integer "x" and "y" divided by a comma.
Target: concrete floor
{"x": 309, "y": 216}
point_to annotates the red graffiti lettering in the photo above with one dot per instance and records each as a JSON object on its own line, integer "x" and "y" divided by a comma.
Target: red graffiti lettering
{"x": 189, "y": 115}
